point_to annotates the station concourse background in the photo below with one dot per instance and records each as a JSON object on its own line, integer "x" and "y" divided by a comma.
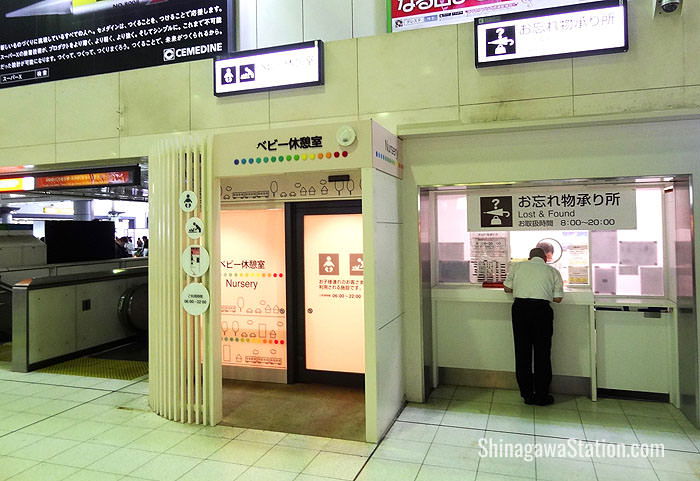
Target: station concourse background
{"x": 633, "y": 113}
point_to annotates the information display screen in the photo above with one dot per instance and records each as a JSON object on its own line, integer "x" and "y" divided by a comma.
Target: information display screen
{"x": 588, "y": 29}
{"x": 74, "y": 179}
{"x": 45, "y": 40}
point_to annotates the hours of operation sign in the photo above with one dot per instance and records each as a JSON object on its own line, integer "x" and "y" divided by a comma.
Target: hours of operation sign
{"x": 608, "y": 208}
{"x": 195, "y": 299}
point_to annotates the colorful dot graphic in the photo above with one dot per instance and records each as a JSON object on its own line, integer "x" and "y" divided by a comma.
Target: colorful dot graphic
{"x": 319, "y": 156}
{"x": 254, "y": 340}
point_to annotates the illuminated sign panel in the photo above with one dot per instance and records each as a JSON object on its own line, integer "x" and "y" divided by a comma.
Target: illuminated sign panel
{"x": 274, "y": 68}
{"x": 415, "y": 14}
{"x": 45, "y": 40}
{"x": 97, "y": 179}
{"x": 121, "y": 176}
{"x": 16, "y": 184}
{"x": 577, "y": 30}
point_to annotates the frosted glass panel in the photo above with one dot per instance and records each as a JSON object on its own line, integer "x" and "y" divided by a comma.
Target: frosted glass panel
{"x": 334, "y": 288}
{"x": 253, "y": 292}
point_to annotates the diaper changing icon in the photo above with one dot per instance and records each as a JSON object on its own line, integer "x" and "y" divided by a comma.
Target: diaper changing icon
{"x": 496, "y": 211}
{"x": 328, "y": 264}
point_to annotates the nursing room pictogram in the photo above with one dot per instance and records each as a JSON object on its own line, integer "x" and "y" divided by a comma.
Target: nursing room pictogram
{"x": 328, "y": 264}
{"x": 357, "y": 265}
{"x": 246, "y": 73}
{"x": 500, "y": 41}
{"x": 496, "y": 211}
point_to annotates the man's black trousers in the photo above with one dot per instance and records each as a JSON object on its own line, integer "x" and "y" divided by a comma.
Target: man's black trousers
{"x": 532, "y": 334}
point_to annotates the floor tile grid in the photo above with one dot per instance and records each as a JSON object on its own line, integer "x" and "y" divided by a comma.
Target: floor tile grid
{"x": 624, "y": 413}
{"x": 28, "y": 384}
{"x": 47, "y": 381}
{"x": 43, "y": 417}
{"x": 504, "y": 477}
{"x": 135, "y": 470}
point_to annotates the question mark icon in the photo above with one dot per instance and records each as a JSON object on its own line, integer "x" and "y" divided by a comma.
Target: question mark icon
{"x": 495, "y": 203}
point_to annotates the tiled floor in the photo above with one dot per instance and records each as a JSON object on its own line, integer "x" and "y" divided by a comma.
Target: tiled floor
{"x": 55, "y": 427}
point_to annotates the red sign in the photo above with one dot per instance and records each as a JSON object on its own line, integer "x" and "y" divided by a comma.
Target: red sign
{"x": 414, "y": 14}
{"x": 408, "y": 8}
{"x": 97, "y": 179}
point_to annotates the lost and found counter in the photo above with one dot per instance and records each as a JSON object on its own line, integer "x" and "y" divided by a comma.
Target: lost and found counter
{"x": 620, "y": 344}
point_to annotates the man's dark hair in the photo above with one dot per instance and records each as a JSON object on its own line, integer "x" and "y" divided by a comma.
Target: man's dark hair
{"x": 538, "y": 252}
{"x": 546, "y": 247}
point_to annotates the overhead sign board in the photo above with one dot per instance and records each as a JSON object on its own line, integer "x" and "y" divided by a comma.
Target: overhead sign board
{"x": 87, "y": 179}
{"x": 45, "y": 40}
{"x": 586, "y": 29}
{"x": 415, "y": 14}
{"x": 274, "y": 68}
{"x": 604, "y": 208}
{"x": 104, "y": 177}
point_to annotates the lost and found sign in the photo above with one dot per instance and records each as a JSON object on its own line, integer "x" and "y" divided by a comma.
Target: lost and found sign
{"x": 587, "y": 29}
{"x": 549, "y": 208}
{"x": 45, "y": 40}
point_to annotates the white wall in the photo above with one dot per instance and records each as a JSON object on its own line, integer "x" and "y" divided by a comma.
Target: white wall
{"x": 264, "y": 23}
{"x": 384, "y": 389}
{"x": 123, "y": 114}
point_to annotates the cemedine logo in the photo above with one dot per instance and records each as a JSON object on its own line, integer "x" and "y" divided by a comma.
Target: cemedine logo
{"x": 171, "y": 54}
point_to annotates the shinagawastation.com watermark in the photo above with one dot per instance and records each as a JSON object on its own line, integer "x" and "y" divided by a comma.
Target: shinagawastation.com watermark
{"x": 571, "y": 448}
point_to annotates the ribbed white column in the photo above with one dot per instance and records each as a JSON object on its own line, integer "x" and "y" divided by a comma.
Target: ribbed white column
{"x": 184, "y": 350}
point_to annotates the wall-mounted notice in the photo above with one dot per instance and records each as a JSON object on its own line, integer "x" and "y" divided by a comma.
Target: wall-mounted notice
{"x": 588, "y": 29}
{"x": 44, "y": 40}
{"x": 552, "y": 208}
{"x": 253, "y": 291}
{"x": 490, "y": 255}
{"x": 272, "y": 68}
{"x": 414, "y": 14}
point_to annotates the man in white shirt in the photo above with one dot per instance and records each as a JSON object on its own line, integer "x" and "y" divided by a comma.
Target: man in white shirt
{"x": 534, "y": 285}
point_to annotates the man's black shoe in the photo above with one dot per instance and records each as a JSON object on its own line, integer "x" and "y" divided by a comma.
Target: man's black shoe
{"x": 545, "y": 400}
{"x": 529, "y": 400}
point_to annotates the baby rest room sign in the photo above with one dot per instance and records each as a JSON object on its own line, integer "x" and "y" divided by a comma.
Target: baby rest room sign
{"x": 608, "y": 208}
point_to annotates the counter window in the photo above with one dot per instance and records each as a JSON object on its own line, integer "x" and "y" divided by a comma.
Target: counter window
{"x": 626, "y": 262}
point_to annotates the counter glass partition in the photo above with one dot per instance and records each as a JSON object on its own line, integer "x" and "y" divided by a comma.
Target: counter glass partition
{"x": 628, "y": 262}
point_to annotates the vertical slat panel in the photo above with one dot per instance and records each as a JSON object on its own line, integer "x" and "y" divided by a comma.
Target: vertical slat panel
{"x": 196, "y": 181}
{"x": 185, "y": 377}
{"x": 205, "y": 340}
{"x": 188, "y": 319}
{"x": 168, "y": 294}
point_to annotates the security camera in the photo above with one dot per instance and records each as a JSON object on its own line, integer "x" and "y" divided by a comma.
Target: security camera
{"x": 669, "y": 6}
